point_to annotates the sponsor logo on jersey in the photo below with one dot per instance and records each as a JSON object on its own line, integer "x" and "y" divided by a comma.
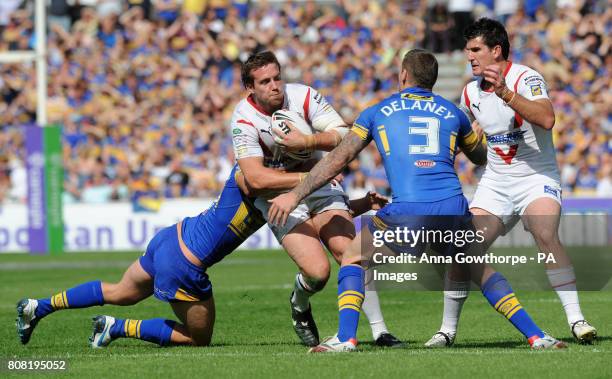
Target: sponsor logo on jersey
{"x": 424, "y": 163}
{"x": 241, "y": 151}
{"x": 553, "y": 191}
{"x": 412, "y": 96}
{"x": 533, "y": 79}
{"x": 477, "y": 106}
{"x": 236, "y": 131}
{"x": 506, "y": 139}
{"x": 318, "y": 97}
{"x": 536, "y": 90}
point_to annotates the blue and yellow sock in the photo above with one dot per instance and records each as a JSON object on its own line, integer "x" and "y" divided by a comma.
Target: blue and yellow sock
{"x": 82, "y": 296}
{"x": 498, "y": 292}
{"x": 156, "y": 330}
{"x": 350, "y": 297}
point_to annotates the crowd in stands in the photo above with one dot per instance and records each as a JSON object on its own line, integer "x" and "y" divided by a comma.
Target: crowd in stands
{"x": 144, "y": 89}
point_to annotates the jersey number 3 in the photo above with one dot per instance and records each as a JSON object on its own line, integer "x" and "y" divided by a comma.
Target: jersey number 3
{"x": 428, "y": 127}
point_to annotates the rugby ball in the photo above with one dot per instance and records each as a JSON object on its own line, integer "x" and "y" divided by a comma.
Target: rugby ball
{"x": 279, "y": 123}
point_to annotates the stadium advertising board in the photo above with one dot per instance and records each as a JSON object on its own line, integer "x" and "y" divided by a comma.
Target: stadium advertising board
{"x": 111, "y": 227}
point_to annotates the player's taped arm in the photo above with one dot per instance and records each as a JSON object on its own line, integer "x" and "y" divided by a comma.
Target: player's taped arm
{"x": 331, "y": 165}
{"x": 474, "y": 148}
{"x": 257, "y": 177}
{"x": 538, "y": 112}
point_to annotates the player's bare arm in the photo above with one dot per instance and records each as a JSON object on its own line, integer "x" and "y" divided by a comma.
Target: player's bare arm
{"x": 259, "y": 177}
{"x": 331, "y": 165}
{"x": 296, "y": 140}
{"x": 372, "y": 200}
{"x": 538, "y": 112}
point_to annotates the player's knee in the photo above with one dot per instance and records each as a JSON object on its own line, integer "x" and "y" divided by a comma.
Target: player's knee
{"x": 546, "y": 237}
{"x": 314, "y": 275}
{"x": 200, "y": 336}
{"x": 317, "y": 283}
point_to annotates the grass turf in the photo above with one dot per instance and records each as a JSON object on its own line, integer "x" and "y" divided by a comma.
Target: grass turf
{"x": 254, "y": 338}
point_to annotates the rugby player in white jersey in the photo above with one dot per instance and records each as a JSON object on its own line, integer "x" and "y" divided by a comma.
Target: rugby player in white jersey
{"x": 323, "y": 216}
{"x": 521, "y": 179}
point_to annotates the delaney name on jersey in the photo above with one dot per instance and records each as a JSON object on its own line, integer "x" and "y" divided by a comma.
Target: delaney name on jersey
{"x": 408, "y": 104}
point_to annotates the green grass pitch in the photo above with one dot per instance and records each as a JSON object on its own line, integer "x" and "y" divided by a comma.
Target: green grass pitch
{"x": 254, "y": 338}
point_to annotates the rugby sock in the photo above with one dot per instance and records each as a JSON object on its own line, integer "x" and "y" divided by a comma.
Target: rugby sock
{"x": 300, "y": 299}
{"x": 455, "y": 294}
{"x": 82, "y": 296}
{"x": 350, "y": 297}
{"x": 156, "y": 330}
{"x": 498, "y": 292}
{"x": 563, "y": 281}
{"x": 371, "y": 307}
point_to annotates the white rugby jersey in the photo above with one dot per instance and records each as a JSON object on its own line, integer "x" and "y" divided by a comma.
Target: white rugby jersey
{"x": 515, "y": 147}
{"x": 250, "y": 125}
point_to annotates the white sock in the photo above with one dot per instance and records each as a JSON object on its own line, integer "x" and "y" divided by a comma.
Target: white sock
{"x": 455, "y": 294}
{"x": 301, "y": 294}
{"x": 371, "y": 307}
{"x": 563, "y": 281}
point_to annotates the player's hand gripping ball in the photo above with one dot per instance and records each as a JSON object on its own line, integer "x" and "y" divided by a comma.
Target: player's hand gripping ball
{"x": 283, "y": 123}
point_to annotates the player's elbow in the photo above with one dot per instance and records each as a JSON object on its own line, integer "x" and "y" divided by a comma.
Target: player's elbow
{"x": 548, "y": 122}
{"x": 256, "y": 183}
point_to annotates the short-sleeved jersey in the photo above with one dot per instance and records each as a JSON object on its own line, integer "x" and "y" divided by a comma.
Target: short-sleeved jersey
{"x": 224, "y": 226}
{"x": 416, "y": 133}
{"x": 250, "y": 125}
{"x": 515, "y": 146}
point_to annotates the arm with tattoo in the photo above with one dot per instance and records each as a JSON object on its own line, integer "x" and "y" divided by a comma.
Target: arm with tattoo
{"x": 331, "y": 165}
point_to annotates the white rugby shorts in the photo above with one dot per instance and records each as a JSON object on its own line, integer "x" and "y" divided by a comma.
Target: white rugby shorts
{"x": 329, "y": 197}
{"x": 508, "y": 197}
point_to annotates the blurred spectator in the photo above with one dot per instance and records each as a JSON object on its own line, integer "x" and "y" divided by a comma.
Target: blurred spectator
{"x": 176, "y": 181}
{"x": 359, "y": 186}
{"x": 7, "y": 9}
{"x": 59, "y": 14}
{"x": 440, "y": 25}
{"x": 144, "y": 88}
{"x": 461, "y": 11}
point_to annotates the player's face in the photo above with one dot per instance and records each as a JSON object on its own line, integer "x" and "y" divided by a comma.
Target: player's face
{"x": 268, "y": 89}
{"x": 480, "y": 55}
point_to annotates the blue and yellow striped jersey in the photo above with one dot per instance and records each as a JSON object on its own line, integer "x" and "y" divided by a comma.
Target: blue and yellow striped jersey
{"x": 416, "y": 133}
{"x": 224, "y": 226}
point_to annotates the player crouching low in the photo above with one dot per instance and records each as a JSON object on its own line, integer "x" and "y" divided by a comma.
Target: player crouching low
{"x": 173, "y": 269}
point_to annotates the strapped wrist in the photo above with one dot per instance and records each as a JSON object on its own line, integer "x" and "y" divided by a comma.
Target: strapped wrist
{"x": 311, "y": 142}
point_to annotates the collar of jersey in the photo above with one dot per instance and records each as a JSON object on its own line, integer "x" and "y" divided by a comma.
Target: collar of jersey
{"x": 415, "y": 90}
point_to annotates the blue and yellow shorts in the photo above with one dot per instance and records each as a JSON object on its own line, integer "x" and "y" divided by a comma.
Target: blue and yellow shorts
{"x": 432, "y": 224}
{"x": 175, "y": 278}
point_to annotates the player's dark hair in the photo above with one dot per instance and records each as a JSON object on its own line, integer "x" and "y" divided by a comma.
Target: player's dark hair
{"x": 422, "y": 66}
{"x": 492, "y": 32}
{"x": 255, "y": 61}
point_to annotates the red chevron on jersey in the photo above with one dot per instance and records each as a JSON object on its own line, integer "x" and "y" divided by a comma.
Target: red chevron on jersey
{"x": 507, "y": 157}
